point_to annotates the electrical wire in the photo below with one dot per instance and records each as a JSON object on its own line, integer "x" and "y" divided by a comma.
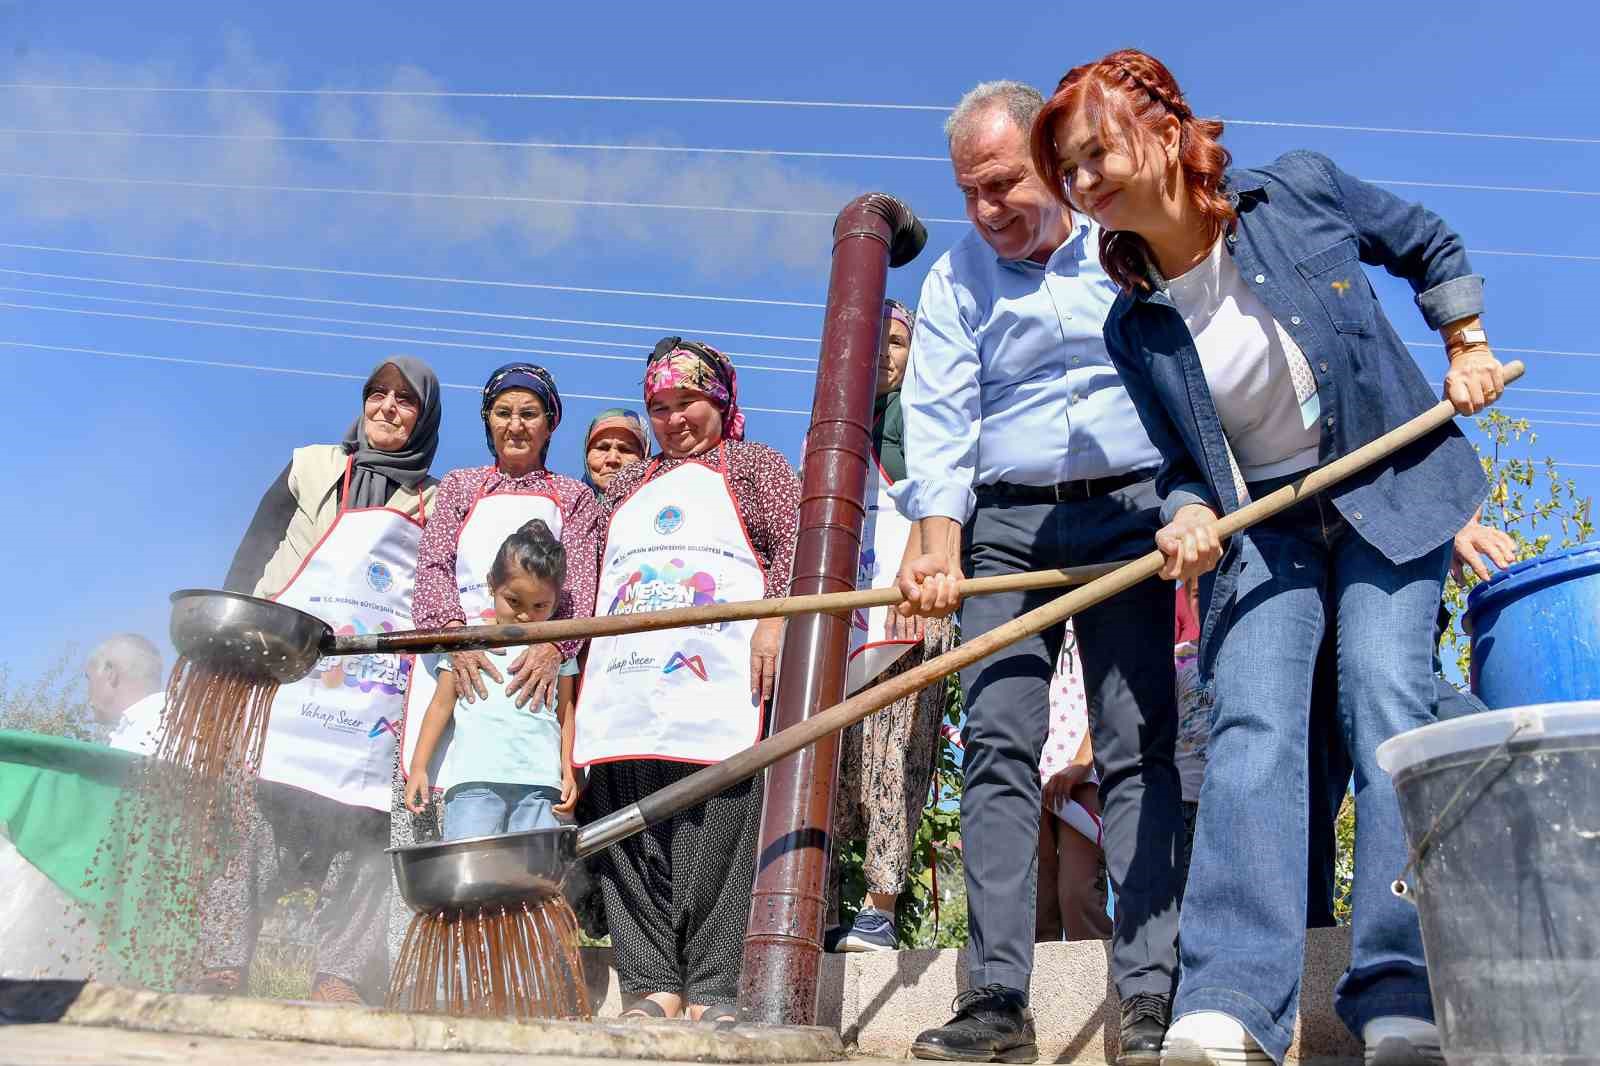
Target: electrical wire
{"x": 251, "y": 294}
{"x": 436, "y": 280}
{"x": 403, "y": 341}
{"x": 323, "y": 373}
{"x": 625, "y": 345}
{"x": 740, "y": 101}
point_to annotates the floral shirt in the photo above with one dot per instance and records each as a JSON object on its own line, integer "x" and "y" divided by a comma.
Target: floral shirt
{"x": 765, "y": 491}
{"x": 437, "y": 600}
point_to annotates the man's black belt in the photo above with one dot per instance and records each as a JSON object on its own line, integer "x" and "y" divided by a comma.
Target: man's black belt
{"x": 1063, "y": 491}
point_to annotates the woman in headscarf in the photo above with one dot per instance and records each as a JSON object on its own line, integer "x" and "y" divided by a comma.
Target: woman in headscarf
{"x": 886, "y": 763}
{"x": 336, "y": 535}
{"x": 616, "y": 439}
{"x": 711, "y": 517}
{"x": 477, "y": 508}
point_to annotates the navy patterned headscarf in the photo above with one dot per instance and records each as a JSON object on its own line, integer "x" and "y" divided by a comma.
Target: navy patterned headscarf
{"x": 536, "y": 379}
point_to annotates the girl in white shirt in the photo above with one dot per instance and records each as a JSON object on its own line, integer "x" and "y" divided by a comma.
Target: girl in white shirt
{"x": 513, "y": 764}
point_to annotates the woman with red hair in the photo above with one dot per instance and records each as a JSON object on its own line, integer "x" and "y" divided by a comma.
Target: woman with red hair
{"x": 1254, "y": 350}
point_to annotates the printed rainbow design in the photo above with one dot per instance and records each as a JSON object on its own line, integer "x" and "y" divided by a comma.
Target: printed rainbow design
{"x": 673, "y": 585}
{"x": 386, "y": 673}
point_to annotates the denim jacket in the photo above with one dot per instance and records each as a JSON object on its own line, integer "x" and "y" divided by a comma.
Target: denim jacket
{"x": 1304, "y": 228}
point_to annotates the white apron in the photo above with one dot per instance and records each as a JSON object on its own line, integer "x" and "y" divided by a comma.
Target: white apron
{"x": 883, "y": 542}
{"x": 333, "y": 732}
{"x": 491, "y": 519}
{"x": 679, "y": 694}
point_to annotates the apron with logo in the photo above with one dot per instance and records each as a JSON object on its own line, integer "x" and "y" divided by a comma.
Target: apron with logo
{"x": 491, "y": 519}
{"x": 679, "y": 694}
{"x": 883, "y": 542}
{"x": 333, "y": 732}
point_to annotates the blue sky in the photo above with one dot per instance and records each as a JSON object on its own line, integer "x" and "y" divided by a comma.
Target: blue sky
{"x": 131, "y": 477}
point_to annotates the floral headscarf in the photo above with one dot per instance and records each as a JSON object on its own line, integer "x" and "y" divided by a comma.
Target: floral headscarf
{"x": 680, "y": 364}
{"x": 899, "y": 312}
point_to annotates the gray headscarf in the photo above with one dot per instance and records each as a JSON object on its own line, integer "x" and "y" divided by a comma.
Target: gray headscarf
{"x": 379, "y": 474}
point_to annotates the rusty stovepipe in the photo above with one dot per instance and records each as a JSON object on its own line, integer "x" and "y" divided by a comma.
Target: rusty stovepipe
{"x": 783, "y": 944}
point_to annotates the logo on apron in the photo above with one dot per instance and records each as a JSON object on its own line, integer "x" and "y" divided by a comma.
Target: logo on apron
{"x": 388, "y": 673}
{"x": 379, "y": 576}
{"x": 696, "y": 665}
{"x": 668, "y": 519}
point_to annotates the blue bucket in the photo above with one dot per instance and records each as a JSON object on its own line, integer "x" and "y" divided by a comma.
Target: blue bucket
{"x": 1536, "y": 630}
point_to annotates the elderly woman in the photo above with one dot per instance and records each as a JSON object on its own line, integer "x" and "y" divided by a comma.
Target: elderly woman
{"x": 616, "y": 439}
{"x": 477, "y": 508}
{"x": 886, "y": 763}
{"x": 1254, "y": 349}
{"x": 336, "y": 535}
{"x": 711, "y": 517}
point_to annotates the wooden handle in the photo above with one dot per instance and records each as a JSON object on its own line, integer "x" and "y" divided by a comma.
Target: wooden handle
{"x": 477, "y": 638}
{"x": 703, "y": 784}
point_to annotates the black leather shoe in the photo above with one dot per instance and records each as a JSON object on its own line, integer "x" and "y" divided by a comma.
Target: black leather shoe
{"x": 1145, "y": 1017}
{"x": 991, "y": 1025}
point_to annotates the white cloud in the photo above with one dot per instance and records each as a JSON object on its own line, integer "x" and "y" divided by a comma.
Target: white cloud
{"x": 240, "y": 222}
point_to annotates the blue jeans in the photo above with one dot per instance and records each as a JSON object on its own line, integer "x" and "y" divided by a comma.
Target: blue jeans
{"x": 1242, "y": 932}
{"x": 480, "y": 809}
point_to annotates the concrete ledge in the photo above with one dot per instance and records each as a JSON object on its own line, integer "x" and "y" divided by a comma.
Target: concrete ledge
{"x": 880, "y": 1001}
{"x": 88, "y": 1004}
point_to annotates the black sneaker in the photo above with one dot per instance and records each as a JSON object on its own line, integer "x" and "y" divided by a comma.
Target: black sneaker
{"x": 991, "y": 1025}
{"x": 1145, "y": 1017}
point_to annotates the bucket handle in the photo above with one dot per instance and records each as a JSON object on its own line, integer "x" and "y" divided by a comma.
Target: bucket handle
{"x": 1399, "y": 886}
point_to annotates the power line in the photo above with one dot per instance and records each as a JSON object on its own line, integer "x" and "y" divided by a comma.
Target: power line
{"x": 625, "y": 345}
{"x": 324, "y": 373}
{"x": 439, "y": 142}
{"x": 738, "y": 101}
{"x": 403, "y": 341}
{"x": 1508, "y": 348}
{"x": 1548, "y": 411}
{"x": 343, "y": 190}
{"x": 251, "y": 294}
{"x": 557, "y": 201}
{"x": 414, "y": 277}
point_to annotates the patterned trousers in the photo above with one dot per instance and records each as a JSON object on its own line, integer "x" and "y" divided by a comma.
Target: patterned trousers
{"x": 886, "y": 766}
{"x": 677, "y": 896}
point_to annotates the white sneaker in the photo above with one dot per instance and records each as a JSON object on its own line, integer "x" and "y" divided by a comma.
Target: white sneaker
{"x": 1211, "y": 1038}
{"x": 1397, "y": 1041}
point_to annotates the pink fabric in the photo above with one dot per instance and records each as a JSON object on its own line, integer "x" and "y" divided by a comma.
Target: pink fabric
{"x": 436, "y": 600}
{"x": 1069, "y": 711}
{"x": 686, "y": 369}
{"x": 765, "y": 492}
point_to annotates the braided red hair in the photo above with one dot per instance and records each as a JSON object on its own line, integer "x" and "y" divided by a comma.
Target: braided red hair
{"x": 1125, "y": 95}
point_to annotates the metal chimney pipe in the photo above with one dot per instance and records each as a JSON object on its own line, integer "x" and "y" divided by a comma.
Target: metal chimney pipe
{"x": 783, "y": 942}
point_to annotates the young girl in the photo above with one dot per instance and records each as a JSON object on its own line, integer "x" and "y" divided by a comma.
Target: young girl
{"x": 513, "y": 764}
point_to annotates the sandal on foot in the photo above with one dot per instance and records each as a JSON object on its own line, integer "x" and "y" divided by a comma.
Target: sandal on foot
{"x": 644, "y": 1008}
{"x": 721, "y": 1014}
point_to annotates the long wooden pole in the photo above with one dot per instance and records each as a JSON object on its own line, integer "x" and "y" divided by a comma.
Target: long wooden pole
{"x": 463, "y": 638}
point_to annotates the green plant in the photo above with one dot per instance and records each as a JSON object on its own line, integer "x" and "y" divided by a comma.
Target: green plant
{"x": 1528, "y": 499}
{"x": 51, "y": 703}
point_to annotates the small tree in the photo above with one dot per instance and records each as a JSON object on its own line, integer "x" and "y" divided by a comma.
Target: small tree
{"x": 1530, "y": 500}
{"x": 53, "y": 703}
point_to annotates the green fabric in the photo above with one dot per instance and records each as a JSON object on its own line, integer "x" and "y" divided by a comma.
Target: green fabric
{"x": 889, "y": 435}
{"x": 73, "y": 810}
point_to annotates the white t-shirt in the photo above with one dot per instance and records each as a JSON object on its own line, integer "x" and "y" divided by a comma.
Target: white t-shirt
{"x": 139, "y": 731}
{"x": 1243, "y": 349}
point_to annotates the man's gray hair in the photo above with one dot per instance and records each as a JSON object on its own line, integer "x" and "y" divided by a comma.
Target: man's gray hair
{"x": 133, "y": 655}
{"x": 1022, "y": 102}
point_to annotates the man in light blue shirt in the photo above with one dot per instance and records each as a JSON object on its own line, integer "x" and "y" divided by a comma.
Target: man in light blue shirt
{"x": 1023, "y": 452}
